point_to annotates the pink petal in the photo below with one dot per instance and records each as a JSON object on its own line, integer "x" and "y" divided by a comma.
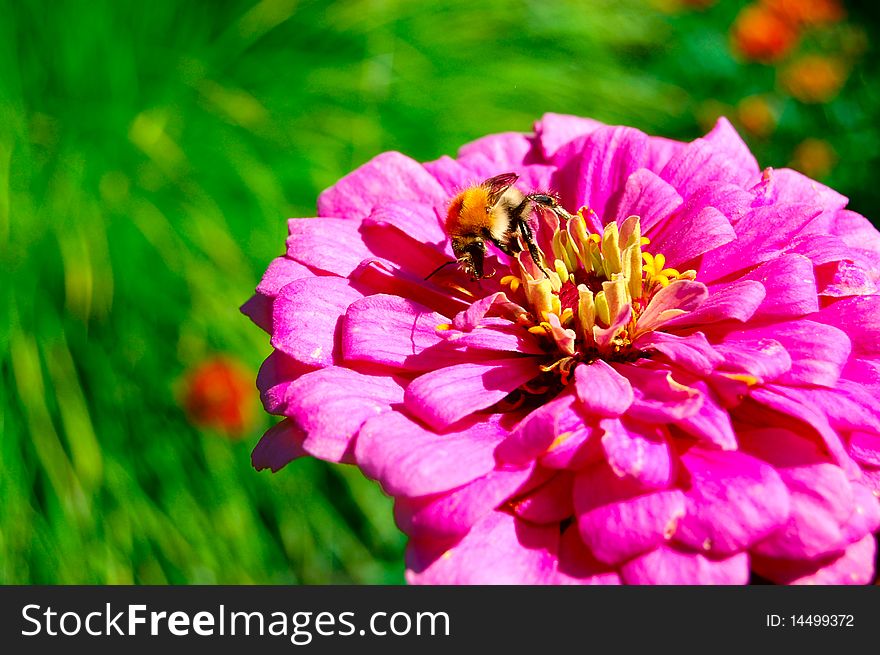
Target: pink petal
{"x": 332, "y": 245}
{"x": 519, "y": 553}
{"x": 281, "y": 272}
{"x": 577, "y": 565}
{"x": 865, "y": 516}
{"x": 537, "y": 431}
{"x": 790, "y": 285}
{"x": 384, "y": 277}
{"x": 388, "y": 242}
{"x": 849, "y": 407}
{"x": 601, "y": 389}
{"x": 478, "y": 310}
{"x": 658, "y": 398}
{"x": 503, "y": 337}
{"x": 502, "y": 152}
{"x": 733, "y": 501}
{"x": 660, "y": 151}
{"x": 856, "y": 230}
{"x": 711, "y": 423}
{"x": 442, "y": 397}
{"x": 604, "y": 336}
{"x": 703, "y": 162}
{"x": 790, "y": 186}
{"x": 549, "y": 503}
{"x": 764, "y": 358}
{"x": 258, "y": 308}
{"x": 864, "y": 332}
{"x": 841, "y": 279}
{"x": 817, "y": 351}
{"x": 871, "y": 478}
{"x": 754, "y": 243}
{"x": 576, "y": 444}
{"x": 647, "y": 196}
{"x": 639, "y": 451}
{"x": 555, "y": 130}
{"x": 678, "y": 297}
{"x": 669, "y": 566}
{"x": 821, "y": 501}
{"x": 607, "y": 157}
{"x": 854, "y": 566}
{"x": 332, "y": 404}
{"x": 307, "y": 318}
{"x": 384, "y": 329}
{"x": 454, "y": 513}
{"x": 825, "y": 248}
{"x": 730, "y": 199}
{"x": 281, "y": 444}
{"x": 617, "y": 519}
{"x": 414, "y": 218}
{"x": 389, "y": 177}
{"x": 737, "y": 301}
{"x": 275, "y": 375}
{"x": 692, "y": 352}
{"x": 865, "y": 448}
{"x": 451, "y": 175}
{"x": 409, "y": 460}
{"x": 690, "y": 235}
{"x": 725, "y": 139}
{"x": 779, "y": 399}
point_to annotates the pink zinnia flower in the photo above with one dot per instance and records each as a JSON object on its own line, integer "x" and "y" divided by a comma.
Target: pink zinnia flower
{"x": 689, "y": 396}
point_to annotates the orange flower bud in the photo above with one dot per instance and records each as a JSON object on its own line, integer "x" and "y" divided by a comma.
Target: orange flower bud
{"x": 759, "y": 34}
{"x": 218, "y": 394}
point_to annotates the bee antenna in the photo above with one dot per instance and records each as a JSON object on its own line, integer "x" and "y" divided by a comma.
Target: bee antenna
{"x": 439, "y": 268}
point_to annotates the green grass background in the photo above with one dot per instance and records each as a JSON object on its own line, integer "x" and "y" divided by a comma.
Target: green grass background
{"x": 149, "y": 156}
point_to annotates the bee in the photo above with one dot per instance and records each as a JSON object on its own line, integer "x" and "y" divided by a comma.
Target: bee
{"x": 494, "y": 212}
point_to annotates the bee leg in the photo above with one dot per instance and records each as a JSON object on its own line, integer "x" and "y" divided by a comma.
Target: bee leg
{"x": 551, "y": 203}
{"x": 534, "y": 251}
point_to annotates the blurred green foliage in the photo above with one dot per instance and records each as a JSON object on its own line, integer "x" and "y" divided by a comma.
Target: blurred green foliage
{"x": 149, "y": 154}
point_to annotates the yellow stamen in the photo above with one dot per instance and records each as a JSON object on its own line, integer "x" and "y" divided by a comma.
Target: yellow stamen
{"x": 562, "y": 269}
{"x": 611, "y": 249}
{"x": 586, "y": 310}
{"x": 602, "y": 310}
{"x": 635, "y": 272}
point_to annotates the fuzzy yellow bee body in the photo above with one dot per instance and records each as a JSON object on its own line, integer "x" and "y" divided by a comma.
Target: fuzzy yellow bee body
{"x": 494, "y": 212}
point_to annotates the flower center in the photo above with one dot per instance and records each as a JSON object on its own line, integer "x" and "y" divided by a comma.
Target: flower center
{"x": 588, "y": 304}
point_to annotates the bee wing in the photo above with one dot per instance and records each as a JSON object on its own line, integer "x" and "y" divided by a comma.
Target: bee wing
{"x": 498, "y": 185}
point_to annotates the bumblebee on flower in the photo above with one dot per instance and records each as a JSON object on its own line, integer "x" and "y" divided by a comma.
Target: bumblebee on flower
{"x": 673, "y": 385}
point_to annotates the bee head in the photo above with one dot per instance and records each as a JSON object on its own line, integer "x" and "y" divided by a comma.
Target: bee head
{"x": 469, "y": 251}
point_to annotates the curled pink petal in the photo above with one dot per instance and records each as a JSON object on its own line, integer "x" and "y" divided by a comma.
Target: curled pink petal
{"x": 281, "y": 444}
